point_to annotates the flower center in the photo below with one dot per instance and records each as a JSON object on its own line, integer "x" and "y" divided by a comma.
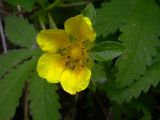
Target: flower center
{"x": 75, "y": 55}
{"x": 76, "y": 52}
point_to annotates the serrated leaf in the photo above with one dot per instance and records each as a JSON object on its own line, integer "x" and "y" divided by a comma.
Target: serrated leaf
{"x": 44, "y": 102}
{"x": 140, "y": 37}
{"x": 20, "y": 32}
{"x": 150, "y": 78}
{"x": 12, "y": 58}
{"x": 26, "y": 4}
{"x": 11, "y": 89}
{"x": 107, "y": 51}
{"x": 90, "y": 12}
{"x": 138, "y": 21}
{"x": 112, "y": 15}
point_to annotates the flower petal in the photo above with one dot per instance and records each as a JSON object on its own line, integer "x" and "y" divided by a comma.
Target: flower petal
{"x": 74, "y": 81}
{"x": 84, "y": 78}
{"x": 80, "y": 27}
{"x": 50, "y": 67}
{"x": 51, "y": 40}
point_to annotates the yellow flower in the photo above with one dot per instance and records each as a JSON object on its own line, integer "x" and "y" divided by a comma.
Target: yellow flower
{"x": 66, "y": 58}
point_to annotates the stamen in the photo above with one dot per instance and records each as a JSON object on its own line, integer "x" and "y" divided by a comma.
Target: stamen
{"x": 87, "y": 60}
{"x": 67, "y": 63}
{"x": 73, "y": 67}
{"x": 68, "y": 57}
{"x": 82, "y": 65}
{"x": 76, "y": 60}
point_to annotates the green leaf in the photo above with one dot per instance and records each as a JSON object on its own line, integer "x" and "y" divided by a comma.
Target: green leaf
{"x": 98, "y": 73}
{"x": 92, "y": 86}
{"x": 98, "y": 77}
{"x": 107, "y": 51}
{"x": 90, "y": 12}
{"x": 112, "y": 16}
{"x": 138, "y": 21}
{"x": 137, "y": 106}
{"x": 73, "y": 1}
{"x": 44, "y": 102}
{"x": 140, "y": 37}
{"x": 26, "y": 4}
{"x": 142, "y": 105}
{"x": 14, "y": 57}
{"x": 20, "y": 32}
{"x": 146, "y": 112}
{"x": 11, "y": 89}
{"x": 150, "y": 78}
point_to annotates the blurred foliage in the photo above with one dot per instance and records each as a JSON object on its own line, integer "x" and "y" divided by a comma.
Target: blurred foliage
{"x": 126, "y": 71}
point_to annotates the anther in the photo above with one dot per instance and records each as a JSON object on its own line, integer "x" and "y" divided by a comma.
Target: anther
{"x": 67, "y": 63}
{"x": 68, "y": 57}
{"x": 87, "y": 60}
{"x": 73, "y": 67}
{"x": 76, "y": 60}
{"x": 82, "y": 65}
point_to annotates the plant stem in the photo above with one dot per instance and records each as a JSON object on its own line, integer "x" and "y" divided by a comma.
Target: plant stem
{"x": 101, "y": 106}
{"x": 2, "y": 37}
{"x": 53, "y": 5}
{"x": 74, "y": 4}
{"x": 26, "y": 117}
{"x": 72, "y": 111}
{"x": 58, "y": 3}
{"x": 41, "y": 22}
{"x": 19, "y": 10}
{"x": 51, "y": 21}
{"x": 26, "y": 110}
